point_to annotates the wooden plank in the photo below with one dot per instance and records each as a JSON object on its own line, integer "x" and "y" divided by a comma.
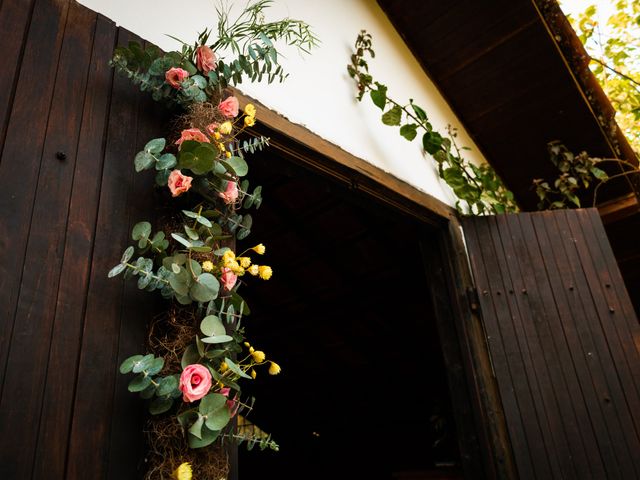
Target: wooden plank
{"x": 307, "y": 148}
{"x": 126, "y": 442}
{"x": 571, "y": 323}
{"x": 616, "y": 325}
{"x": 515, "y": 339}
{"x": 25, "y": 140}
{"x": 592, "y": 357}
{"x": 69, "y": 311}
{"x": 15, "y": 18}
{"x": 500, "y": 357}
{"x": 534, "y": 334}
{"x": 450, "y": 280}
{"x": 609, "y": 387}
{"x": 93, "y": 404}
{"x": 550, "y": 320}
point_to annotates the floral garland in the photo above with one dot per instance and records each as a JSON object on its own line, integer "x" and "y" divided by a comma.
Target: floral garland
{"x": 199, "y": 355}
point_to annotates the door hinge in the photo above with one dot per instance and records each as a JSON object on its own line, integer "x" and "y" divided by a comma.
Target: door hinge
{"x": 474, "y": 300}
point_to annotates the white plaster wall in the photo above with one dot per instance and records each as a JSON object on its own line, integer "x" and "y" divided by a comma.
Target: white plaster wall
{"x": 319, "y": 93}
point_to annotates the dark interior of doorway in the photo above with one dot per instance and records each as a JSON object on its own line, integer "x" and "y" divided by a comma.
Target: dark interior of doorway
{"x": 363, "y": 390}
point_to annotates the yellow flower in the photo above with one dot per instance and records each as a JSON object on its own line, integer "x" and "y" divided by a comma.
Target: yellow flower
{"x": 250, "y": 110}
{"x": 228, "y": 257}
{"x": 274, "y": 368}
{"x": 251, "y": 349}
{"x": 253, "y": 270}
{"x": 183, "y": 472}
{"x": 224, "y": 367}
{"x": 244, "y": 261}
{"x": 221, "y": 146}
{"x": 226, "y": 128}
{"x": 237, "y": 269}
{"x": 265, "y": 272}
{"x": 227, "y": 154}
{"x": 217, "y": 135}
{"x": 247, "y": 344}
{"x": 253, "y": 374}
{"x": 258, "y": 356}
{"x": 207, "y": 266}
{"x": 259, "y": 249}
{"x": 249, "y": 121}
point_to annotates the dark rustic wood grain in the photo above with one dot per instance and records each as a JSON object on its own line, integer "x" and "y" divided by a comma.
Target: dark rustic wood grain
{"x": 578, "y": 335}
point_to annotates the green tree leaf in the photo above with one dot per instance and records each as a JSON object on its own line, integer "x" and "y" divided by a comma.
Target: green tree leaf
{"x": 379, "y": 96}
{"x": 211, "y": 326}
{"x": 205, "y": 288}
{"x": 432, "y": 142}
{"x": 155, "y": 146}
{"x": 393, "y": 116}
{"x": 143, "y": 161}
{"x": 409, "y": 131}
{"x": 127, "y": 365}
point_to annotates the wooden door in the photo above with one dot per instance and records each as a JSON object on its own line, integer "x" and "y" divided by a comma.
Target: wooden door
{"x": 563, "y": 341}
{"x": 68, "y": 195}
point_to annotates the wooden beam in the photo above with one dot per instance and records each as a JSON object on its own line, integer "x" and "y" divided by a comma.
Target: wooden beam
{"x": 307, "y": 148}
{"x": 619, "y": 208}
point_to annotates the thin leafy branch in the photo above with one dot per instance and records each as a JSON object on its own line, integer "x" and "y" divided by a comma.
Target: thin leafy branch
{"x": 478, "y": 188}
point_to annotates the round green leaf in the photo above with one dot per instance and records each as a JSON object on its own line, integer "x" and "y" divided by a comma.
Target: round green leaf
{"x": 155, "y": 366}
{"x": 127, "y": 365}
{"x": 166, "y": 161}
{"x": 167, "y": 385}
{"x": 196, "y": 428}
{"x": 205, "y": 288}
{"x": 143, "y": 161}
{"x": 143, "y": 364}
{"x": 212, "y": 402}
{"x": 217, "y": 339}
{"x": 190, "y": 356}
{"x": 218, "y": 419}
{"x": 211, "y": 326}
{"x": 141, "y": 230}
{"x": 160, "y": 405}
{"x": 155, "y": 146}
{"x": 236, "y": 165}
{"x": 208, "y": 437}
{"x": 139, "y": 383}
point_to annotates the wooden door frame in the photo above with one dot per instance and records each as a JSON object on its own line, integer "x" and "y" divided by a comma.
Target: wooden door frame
{"x": 480, "y": 423}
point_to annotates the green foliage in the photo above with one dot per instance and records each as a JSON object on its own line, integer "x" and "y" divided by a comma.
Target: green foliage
{"x": 614, "y": 48}
{"x": 188, "y": 260}
{"x": 578, "y": 176}
{"x": 478, "y": 188}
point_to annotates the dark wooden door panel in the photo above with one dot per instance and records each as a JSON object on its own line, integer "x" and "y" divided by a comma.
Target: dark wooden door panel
{"x": 561, "y": 332}
{"x": 69, "y": 130}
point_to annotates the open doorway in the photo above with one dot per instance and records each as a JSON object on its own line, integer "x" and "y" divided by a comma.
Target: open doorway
{"x": 363, "y": 392}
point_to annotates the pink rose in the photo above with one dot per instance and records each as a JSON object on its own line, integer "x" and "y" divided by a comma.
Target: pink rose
{"x": 228, "y": 278}
{"x": 229, "y": 107}
{"x": 178, "y": 183}
{"x": 195, "y": 382}
{"x": 192, "y": 134}
{"x": 175, "y": 76}
{"x": 205, "y": 59}
{"x": 230, "y": 195}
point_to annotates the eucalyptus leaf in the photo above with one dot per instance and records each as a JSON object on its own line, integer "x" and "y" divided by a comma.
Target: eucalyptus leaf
{"x": 211, "y": 403}
{"x": 126, "y": 256}
{"x": 235, "y": 368}
{"x": 205, "y": 288}
{"x": 211, "y": 326}
{"x": 160, "y": 405}
{"x": 155, "y": 146}
{"x": 141, "y": 230}
{"x": 207, "y": 438}
{"x": 217, "y": 339}
{"x": 218, "y": 419}
{"x": 139, "y": 383}
{"x": 127, "y": 365}
{"x": 117, "y": 270}
{"x": 166, "y": 385}
{"x": 190, "y": 356}
{"x": 143, "y": 161}
{"x": 196, "y": 428}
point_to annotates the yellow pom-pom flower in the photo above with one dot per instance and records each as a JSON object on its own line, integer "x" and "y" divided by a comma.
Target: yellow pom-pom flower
{"x": 265, "y": 272}
{"x": 259, "y": 249}
{"x": 274, "y": 368}
{"x": 183, "y": 472}
{"x": 207, "y": 265}
{"x": 250, "y": 110}
{"x": 258, "y": 356}
{"x": 224, "y": 367}
{"x": 226, "y": 128}
{"x": 217, "y": 135}
{"x": 253, "y": 270}
{"x": 249, "y": 121}
{"x": 244, "y": 261}
{"x": 253, "y": 374}
{"x": 227, "y": 154}
{"x": 228, "y": 258}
